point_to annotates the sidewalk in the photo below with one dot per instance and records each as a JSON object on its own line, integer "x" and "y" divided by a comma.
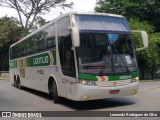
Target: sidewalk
{"x": 4, "y": 75}
{"x": 4, "y": 78}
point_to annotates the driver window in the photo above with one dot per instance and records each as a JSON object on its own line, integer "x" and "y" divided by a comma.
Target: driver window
{"x": 64, "y": 46}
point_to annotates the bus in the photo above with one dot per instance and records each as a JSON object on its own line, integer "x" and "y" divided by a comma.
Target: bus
{"x": 78, "y": 56}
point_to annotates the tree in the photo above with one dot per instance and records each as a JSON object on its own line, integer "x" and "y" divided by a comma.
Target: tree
{"x": 31, "y": 8}
{"x": 143, "y": 10}
{"x": 39, "y": 22}
{"x": 10, "y": 32}
{"x": 150, "y": 57}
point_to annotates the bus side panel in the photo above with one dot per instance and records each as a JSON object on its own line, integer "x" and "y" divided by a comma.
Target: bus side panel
{"x": 11, "y": 73}
{"x": 13, "y": 70}
{"x": 37, "y": 78}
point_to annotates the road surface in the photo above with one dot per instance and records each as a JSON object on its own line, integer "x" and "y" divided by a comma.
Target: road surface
{"x": 13, "y": 99}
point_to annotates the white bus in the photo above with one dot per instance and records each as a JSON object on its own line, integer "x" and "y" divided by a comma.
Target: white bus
{"x": 78, "y": 56}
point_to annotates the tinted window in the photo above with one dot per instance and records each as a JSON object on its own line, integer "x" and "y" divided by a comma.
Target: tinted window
{"x": 65, "y": 44}
{"x": 43, "y": 40}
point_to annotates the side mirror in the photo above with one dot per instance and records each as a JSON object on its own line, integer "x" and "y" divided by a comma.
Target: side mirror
{"x": 144, "y": 39}
{"x": 75, "y": 37}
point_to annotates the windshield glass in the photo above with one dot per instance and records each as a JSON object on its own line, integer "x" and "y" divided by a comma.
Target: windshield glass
{"x": 98, "y": 22}
{"x": 106, "y": 53}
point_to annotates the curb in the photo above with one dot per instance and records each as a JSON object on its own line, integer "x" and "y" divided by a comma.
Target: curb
{"x": 4, "y": 78}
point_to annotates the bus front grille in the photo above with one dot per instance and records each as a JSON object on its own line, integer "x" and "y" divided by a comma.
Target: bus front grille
{"x": 113, "y": 83}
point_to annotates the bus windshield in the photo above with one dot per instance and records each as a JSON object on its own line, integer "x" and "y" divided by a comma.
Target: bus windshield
{"x": 106, "y": 53}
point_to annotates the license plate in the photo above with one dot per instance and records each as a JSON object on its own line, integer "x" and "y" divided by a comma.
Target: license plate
{"x": 114, "y": 91}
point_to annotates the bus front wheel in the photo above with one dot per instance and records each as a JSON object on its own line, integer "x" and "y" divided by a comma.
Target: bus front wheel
{"x": 56, "y": 98}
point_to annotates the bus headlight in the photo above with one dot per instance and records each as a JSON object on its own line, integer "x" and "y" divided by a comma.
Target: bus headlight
{"x": 88, "y": 82}
{"x": 135, "y": 79}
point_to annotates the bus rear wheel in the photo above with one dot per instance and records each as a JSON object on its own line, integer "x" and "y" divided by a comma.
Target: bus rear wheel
{"x": 19, "y": 84}
{"x": 56, "y": 98}
{"x": 15, "y": 83}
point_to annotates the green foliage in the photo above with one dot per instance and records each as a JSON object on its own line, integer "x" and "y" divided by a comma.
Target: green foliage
{"x": 143, "y": 10}
{"x": 39, "y": 22}
{"x": 9, "y": 31}
{"x": 143, "y": 25}
{"x": 150, "y": 56}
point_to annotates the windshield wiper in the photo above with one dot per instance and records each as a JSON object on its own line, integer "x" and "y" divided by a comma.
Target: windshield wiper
{"x": 104, "y": 64}
{"x": 124, "y": 63}
{"x": 101, "y": 70}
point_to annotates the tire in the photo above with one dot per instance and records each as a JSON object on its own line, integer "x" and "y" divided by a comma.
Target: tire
{"x": 15, "y": 83}
{"x": 19, "y": 84}
{"x": 56, "y": 98}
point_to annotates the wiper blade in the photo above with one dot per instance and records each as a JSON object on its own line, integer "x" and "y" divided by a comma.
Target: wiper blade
{"x": 124, "y": 63}
{"x": 104, "y": 64}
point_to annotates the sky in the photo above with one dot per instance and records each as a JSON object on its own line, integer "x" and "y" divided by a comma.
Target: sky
{"x": 79, "y": 6}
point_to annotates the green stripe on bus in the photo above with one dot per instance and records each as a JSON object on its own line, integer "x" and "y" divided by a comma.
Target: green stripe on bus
{"x": 110, "y": 78}
{"x": 123, "y": 77}
{"x": 54, "y": 56}
{"x": 35, "y": 61}
{"x": 87, "y": 77}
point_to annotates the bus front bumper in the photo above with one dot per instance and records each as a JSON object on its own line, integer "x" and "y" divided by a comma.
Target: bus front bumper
{"x": 79, "y": 92}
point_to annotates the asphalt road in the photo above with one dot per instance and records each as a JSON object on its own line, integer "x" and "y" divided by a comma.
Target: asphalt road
{"x": 12, "y": 99}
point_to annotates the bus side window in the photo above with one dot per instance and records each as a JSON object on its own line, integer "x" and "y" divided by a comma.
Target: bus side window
{"x": 50, "y": 37}
{"x": 50, "y": 43}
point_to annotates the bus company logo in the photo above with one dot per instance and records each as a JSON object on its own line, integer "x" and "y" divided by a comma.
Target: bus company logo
{"x": 41, "y": 60}
{"x": 125, "y": 77}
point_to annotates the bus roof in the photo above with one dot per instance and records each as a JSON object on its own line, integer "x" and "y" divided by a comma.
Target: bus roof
{"x": 62, "y": 16}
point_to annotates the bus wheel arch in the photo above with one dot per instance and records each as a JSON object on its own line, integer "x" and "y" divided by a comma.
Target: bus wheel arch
{"x": 53, "y": 89}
